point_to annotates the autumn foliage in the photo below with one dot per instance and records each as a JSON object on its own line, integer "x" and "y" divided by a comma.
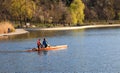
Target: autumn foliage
{"x": 4, "y": 27}
{"x": 59, "y": 11}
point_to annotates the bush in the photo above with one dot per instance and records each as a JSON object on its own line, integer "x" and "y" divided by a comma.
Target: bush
{"x": 4, "y": 27}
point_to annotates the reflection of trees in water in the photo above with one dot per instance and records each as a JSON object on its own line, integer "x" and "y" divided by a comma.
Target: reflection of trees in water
{"x": 3, "y": 37}
{"x": 44, "y": 33}
{"x": 13, "y": 37}
{"x": 41, "y": 34}
{"x": 47, "y": 33}
{"x": 34, "y": 34}
{"x": 21, "y": 36}
{"x": 75, "y": 32}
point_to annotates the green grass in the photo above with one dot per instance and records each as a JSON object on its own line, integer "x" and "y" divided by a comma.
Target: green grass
{"x": 86, "y": 22}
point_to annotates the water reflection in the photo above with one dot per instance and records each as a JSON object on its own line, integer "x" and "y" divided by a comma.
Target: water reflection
{"x": 7, "y": 51}
{"x": 89, "y": 51}
{"x": 3, "y": 37}
{"x": 41, "y": 53}
{"x": 37, "y": 34}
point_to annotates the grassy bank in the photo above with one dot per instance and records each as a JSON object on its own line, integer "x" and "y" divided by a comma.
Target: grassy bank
{"x": 49, "y": 25}
{"x": 4, "y": 27}
{"x": 101, "y": 22}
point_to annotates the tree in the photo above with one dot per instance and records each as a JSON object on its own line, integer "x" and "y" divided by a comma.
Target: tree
{"x": 90, "y": 14}
{"x": 67, "y": 2}
{"x": 51, "y": 11}
{"x": 59, "y": 12}
{"x": 117, "y": 9}
{"x": 22, "y": 9}
{"x": 4, "y": 12}
{"x": 77, "y": 11}
{"x": 107, "y": 8}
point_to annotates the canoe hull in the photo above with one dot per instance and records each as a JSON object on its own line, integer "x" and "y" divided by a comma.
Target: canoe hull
{"x": 60, "y": 47}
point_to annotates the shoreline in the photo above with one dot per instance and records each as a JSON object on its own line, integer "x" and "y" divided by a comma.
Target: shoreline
{"x": 17, "y": 32}
{"x": 26, "y": 30}
{"x": 73, "y": 28}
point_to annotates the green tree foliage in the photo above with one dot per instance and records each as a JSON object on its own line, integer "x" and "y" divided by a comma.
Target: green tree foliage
{"x": 22, "y": 9}
{"x": 77, "y": 11}
{"x": 59, "y": 11}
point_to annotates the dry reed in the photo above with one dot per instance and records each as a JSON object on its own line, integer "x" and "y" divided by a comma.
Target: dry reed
{"x": 4, "y": 27}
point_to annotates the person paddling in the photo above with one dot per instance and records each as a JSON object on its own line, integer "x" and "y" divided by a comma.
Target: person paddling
{"x": 38, "y": 44}
{"x": 45, "y": 43}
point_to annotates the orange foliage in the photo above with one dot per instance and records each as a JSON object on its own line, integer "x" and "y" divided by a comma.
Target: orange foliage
{"x": 4, "y": 27}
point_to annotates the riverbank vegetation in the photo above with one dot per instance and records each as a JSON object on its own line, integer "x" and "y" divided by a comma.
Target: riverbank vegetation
{"x": 59, "y": 12}
{"x": 4, "y": 26}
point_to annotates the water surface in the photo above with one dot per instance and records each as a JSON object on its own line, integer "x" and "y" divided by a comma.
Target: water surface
{"x": 89, "y": 51}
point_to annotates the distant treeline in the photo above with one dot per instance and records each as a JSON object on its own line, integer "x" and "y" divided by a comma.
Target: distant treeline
{"x": 102, "y": 9}
{"x": 59, "y": 11}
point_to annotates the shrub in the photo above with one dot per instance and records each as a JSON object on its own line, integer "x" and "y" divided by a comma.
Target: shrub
{"x": 4, "y": 27}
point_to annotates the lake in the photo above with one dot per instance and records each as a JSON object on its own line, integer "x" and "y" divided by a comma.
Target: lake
{"x": 89, "y": 51}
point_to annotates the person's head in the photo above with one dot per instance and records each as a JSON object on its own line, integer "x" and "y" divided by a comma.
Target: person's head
{"x": 39, "y": 39}
{"x": 44, "y": 39}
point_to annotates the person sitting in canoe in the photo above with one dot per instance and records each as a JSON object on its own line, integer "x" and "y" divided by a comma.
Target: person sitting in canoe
{"x": 39, "y": 45}
{"x": 45, "y": 43}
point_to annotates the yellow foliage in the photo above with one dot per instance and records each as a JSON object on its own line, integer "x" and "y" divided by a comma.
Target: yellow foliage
{"x": 22, "y": 8}
{"x": 77, "y": 11}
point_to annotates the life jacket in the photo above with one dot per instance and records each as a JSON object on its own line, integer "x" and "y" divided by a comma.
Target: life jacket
{"x": 38, "y": 42}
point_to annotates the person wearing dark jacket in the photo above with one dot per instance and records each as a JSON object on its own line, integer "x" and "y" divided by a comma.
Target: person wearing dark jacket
{"x": 45, "y": 43}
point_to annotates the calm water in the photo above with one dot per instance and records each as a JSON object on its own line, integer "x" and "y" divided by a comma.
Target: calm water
{"x": 89, "y": 51}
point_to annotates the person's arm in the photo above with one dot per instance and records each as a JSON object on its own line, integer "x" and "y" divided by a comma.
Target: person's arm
{"x": 46, "y": 42}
